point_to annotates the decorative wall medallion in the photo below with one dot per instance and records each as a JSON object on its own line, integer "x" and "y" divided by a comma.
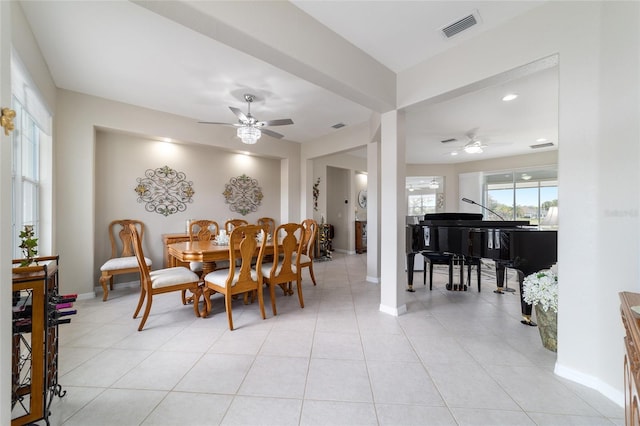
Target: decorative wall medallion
{"x": 362, "y": 198}
{"x": 243, "y": 194}
{"x": 164, "y": 191}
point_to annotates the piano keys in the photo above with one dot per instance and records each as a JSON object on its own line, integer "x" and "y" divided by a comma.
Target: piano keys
{"x": 512, "y": 244}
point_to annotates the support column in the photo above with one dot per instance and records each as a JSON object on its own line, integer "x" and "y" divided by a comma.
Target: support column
{"x": 373, "y": 212}
{"x": 392, "y": 213}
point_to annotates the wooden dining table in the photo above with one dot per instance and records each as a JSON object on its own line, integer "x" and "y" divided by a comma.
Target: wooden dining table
{"x": 207, "y": 252}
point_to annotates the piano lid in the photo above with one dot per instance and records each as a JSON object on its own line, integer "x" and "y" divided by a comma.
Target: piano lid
{"x": 468, "y": 220}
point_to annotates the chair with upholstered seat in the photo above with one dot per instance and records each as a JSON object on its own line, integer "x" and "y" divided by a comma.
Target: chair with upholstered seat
{"x": 243, "y": 278}
{"x": 270, "y": 227}
{"x": 308, "y": 245}
{"x": 284, "y": 269}
{"x": 269, "y": 224}
{"x": 232, "y": 223}
{"x": 201, "y": 230}
{"x": 122, "y": 260}
{"x": 166, "y": 280}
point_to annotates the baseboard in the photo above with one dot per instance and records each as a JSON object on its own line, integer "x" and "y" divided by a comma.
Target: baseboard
{"x": 615, "y": 395}
{"x": 396, "y": 312}
{"x": 98, "y": 290}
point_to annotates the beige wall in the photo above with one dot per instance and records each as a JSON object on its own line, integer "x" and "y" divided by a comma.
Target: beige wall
{"x": 78, "y": 117}
{"x": 121, "y": 159}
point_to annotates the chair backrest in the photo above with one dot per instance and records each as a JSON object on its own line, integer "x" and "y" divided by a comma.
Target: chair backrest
{"x": 203, "y": 230}
{"x": 291, "y": 237}
{"x": 136, "y": 241}
{"x": 232, "y": 223}
{"x": 121, "y": 238}
{"x": 310, "y": 231}
{"x": 269, "y": 224}
{"x": 244, "y": 237}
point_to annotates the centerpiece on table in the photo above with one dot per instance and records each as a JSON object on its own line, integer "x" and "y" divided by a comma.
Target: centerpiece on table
{"x": 541, "y": 290}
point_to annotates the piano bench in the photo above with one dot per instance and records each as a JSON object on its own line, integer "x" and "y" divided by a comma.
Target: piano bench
{"x": 436, "y": 259}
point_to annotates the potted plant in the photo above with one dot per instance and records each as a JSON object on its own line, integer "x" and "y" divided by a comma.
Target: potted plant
{"x": 29, "y": 245}
{"x": 541, "y": 290}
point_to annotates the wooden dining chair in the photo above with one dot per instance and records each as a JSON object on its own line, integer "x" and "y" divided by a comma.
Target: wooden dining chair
{"x": 232, "y": 223}
{"x": 201, "y": 230}
{"x": 243, "y": 278}
{"x": 160, "y": 281}
{"x": 270, "y": 226}
{"x": 122, "y": 260}
{"x": 308, "y": 246}
{"x": 284, "y": 269}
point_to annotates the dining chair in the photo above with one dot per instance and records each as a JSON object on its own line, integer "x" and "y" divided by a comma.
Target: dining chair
{"x": 122, "y": 260}
{"x": 270, "y": 226}
{"x": 232, "y": 223}
{"x": 243, "y": 278}
{"x": 177, "y": 278}
{"x": 284, "y": 269}
{"x": 308, "y": 245}
{"x": 201, "y": 230}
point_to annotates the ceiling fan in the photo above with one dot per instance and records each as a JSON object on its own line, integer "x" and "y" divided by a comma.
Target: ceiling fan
{"x": 473, "y": 145}
{"x": 249, "y": 128}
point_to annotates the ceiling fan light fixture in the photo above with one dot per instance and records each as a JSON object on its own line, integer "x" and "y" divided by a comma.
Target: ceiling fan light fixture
{"x": 434, "y": 184}
{"x": 472, "y": 149}
{"x": 248, "y": 135}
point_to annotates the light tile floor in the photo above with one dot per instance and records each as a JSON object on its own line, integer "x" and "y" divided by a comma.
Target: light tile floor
{"x": 455, "y": 358}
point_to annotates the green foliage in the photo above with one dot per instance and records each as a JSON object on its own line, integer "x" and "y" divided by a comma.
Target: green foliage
{"x": 29, "y": 245}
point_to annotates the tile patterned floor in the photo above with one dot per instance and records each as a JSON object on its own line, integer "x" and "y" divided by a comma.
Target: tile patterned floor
{"x": 455, "y": 358}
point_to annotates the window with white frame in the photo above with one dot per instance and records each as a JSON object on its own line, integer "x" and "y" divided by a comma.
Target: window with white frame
{"x": 31, "y": 162}
{"x": 522, "y": 195}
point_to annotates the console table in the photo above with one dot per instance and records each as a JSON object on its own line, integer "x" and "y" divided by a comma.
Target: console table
{"x": 631, "y": 322}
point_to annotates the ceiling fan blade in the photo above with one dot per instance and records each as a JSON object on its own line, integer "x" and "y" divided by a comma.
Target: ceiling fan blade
{"x": 239, "y": 114}
{"x": 280, "y": 122}
{"x": 215, "y": 122}
{"x": 272, "y": 133}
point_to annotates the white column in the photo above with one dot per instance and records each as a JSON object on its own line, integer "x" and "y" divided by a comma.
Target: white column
{"x": 392, "y": 221}
{"x": 373, "y": 212}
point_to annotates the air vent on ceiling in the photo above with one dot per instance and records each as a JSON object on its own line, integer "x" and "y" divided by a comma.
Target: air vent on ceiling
{"x": 541, "y": 145}
{"x": 449, "y": 140}
{"x": 339, "y": 125}
{"x": 460, "y": 25}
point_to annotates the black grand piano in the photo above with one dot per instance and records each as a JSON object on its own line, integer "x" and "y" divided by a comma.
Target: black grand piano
{"x": 511, "y": 244}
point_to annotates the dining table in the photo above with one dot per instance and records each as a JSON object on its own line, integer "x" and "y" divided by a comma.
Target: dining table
{"x": 207, "y": 252}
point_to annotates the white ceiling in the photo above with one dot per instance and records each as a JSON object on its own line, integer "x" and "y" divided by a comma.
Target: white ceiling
{"x": 121, "y": 51}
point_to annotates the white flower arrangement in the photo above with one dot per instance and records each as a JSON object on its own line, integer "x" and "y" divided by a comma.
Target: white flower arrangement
{"x": 542, "y": 288}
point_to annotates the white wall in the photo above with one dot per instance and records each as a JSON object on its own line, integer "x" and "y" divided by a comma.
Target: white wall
{"x": 597, "y": 44}
{"x": 208, "y": 168}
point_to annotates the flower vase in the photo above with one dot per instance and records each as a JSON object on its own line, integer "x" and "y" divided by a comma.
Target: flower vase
{"x": 548, "y": 327}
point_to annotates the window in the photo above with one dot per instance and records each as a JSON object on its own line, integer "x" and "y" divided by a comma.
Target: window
{"x": 521, "y": 195}
{"x": 421, "y": 204}
{"x": 30, "y": 140}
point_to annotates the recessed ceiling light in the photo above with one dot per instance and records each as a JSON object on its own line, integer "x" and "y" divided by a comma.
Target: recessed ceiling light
{"x": 509, "y": 97}
{"x": 541, "y": 140}
{"x": 454, "y": 153}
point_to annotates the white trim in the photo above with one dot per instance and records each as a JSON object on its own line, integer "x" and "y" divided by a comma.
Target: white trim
{"x": 396, "y": 312}
{"x": 614, "y": 394}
